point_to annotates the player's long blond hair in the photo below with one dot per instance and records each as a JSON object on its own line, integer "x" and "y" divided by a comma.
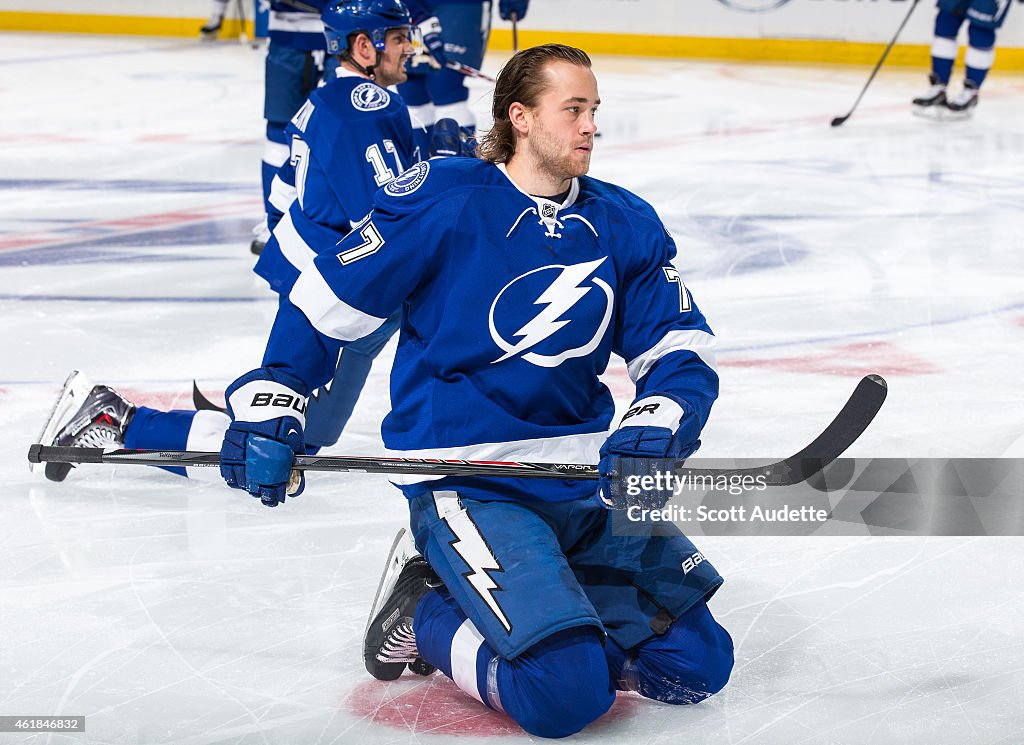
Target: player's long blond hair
{"x": 522, "y": 79}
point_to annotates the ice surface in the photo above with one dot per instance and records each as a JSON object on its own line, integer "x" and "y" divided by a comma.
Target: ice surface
{"x": 175, "y": 612}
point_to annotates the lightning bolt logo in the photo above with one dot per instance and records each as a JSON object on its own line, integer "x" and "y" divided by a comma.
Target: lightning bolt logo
{"x": 560, "y": 297}
{"x": 473, "y": 549}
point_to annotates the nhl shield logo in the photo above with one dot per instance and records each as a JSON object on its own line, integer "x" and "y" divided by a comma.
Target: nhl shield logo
{"x": 548, "y": 210}
{"x": 369, "y": 97}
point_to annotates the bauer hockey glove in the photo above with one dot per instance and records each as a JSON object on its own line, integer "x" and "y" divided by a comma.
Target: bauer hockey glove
{"x": 268, "y": 412}
{"x": 507, "y": 7}
{"x": 658, "y": 431}
{"x": 430, "y": 32}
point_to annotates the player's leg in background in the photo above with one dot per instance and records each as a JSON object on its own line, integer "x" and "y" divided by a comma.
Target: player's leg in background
{"x": 466, "y": 28}
{"x": 178, "y": 429}
{"x": 98, "y": 416}
{"x": 944, "y": 47}
{"x": 330, "y": 408}
{"x": 511, "y": 626}
{"x": 289, "y": 77}
{"x": 985, "y": 16}
{"x": 218, "y": 8}
{"x": 950, "y": 17}
{"x": 651, "y": 591}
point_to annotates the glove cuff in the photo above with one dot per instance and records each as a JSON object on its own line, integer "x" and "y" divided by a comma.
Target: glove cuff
{"x": 430, "y": 25}
{"x": 654, "y": 411}
{"x": 260, "y": 398}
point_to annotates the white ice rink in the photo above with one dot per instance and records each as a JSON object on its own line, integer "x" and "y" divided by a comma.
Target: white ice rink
{"x": 168, "y": 611}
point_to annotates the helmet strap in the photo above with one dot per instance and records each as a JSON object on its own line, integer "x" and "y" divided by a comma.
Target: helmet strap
{"x": 369, "y": 71}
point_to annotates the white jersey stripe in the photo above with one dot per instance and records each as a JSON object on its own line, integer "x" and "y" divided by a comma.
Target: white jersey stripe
{"x": 294, "y": 248}
{"x": 583, "y": 448}
{"x": 328, "y": 314}
{"x": 700, "y": 343}
{"x": 281, "y": 194}
{"x": 301, "y": 23}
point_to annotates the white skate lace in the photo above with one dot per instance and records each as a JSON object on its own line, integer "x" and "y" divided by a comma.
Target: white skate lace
{"x": 399, "y": 645}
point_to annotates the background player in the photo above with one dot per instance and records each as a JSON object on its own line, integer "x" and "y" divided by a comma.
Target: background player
{"x": 985, "y": 16}
{"x": 294, "y": 66}
{"x": 349, "y": 138}
{"x": 518, "y": 278}
{"x": 455, "y": 30}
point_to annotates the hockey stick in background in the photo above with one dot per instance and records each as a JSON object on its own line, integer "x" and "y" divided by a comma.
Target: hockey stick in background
{"x": 514, "y": 17}
{"x": 469, "y": 72}
{"x": 243, "y": 36}
{"x": 840, "y": 119}
{"x": 848, "y": 425}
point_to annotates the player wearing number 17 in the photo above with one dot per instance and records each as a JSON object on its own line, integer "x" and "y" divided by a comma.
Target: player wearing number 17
{"x": 519, "y": 276}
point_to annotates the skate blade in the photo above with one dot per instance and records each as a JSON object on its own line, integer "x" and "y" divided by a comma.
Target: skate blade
{"x": 76, "y": 389}
{"x": 402, "y": 549}
{"x": 940, "y": 113}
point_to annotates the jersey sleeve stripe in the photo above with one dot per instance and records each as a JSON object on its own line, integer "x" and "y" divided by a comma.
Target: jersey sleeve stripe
{"x": 308, "y": 23}
{"x": 329, "y": 315}
{"x": 281, "y": 194}
{"x": 275, "y": 153}
{"x": 701, "y": 343}
{"x": 295, "y": 249}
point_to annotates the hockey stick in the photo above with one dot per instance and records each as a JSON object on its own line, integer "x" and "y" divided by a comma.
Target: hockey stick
{"x": 840, "y": 119}
{"x": 470, "y": 72}
{"x": 243, "y": 35}
{"x": 848, "y": 425}
{"x": 514, "y": 17}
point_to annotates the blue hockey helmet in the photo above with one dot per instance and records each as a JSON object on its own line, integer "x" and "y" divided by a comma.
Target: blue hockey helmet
{"x": 373, "y": 17}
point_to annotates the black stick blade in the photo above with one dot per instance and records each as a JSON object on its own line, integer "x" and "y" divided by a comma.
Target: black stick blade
{"x": 838, "y": 121}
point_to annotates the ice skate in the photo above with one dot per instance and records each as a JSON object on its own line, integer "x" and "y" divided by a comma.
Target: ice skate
{"x": 211, "y": 29}
{"x": 962, "y": 103}
{"x": 390, "y": 644}
{"x": 85, "y": 416}
{"x": 932, "y": 103}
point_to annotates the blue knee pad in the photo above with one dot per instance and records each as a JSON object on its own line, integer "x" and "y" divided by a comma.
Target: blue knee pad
{"x": 559, "y": 685}
{"x": 947, "y": 24}
{"x": 981, "y": 37}
{"x": 956, "y": 7}
{"x": 554, "y": 689}
{"x": 685, "y": 665}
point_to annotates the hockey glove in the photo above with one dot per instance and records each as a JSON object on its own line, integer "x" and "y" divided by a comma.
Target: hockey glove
{"x": 449, "y": 140}
{"x": 657, "y": 432}
{"x": 268, "y": 412}
{"x": 507, "y": 7}
{"x": 430, "y": 32}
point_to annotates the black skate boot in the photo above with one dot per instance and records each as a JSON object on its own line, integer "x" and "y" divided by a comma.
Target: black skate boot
{"x": 934, "y": 96}
{"x": 212, "y": 28}
{"x": 962, "y": 103}
{"x": 85, "y": 416}
{"x": 390, "y": 644}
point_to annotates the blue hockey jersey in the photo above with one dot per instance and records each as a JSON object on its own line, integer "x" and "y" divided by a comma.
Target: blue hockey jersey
{"x": 512, "y": 305}
{"x": 350, "y": 137}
